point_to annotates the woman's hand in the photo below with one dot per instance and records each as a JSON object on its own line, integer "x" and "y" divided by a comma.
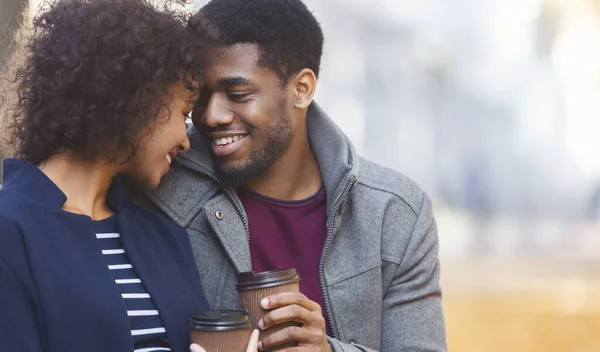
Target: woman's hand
{"x": 252, "y": 344}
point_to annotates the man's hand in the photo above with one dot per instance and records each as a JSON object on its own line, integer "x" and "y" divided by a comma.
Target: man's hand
{"x": 294, "y": 306}
{"x": 252, "y": 344}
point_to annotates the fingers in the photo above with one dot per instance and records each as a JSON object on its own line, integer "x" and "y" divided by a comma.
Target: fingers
{"x": 195, "y": 348}
{"x": 292, "y": 334}
{"x": 295, "y": 307}
{"x": 289, "y": 298}
{"x": 253, "y": 343}
{"x": 294, "y": 313}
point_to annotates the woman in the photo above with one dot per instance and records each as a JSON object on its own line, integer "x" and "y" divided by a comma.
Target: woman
{"x": 104, "y": 91}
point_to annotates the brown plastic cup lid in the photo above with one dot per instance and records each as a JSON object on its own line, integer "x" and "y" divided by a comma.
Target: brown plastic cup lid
{"x": 251, "y": 281}
{"x": 220, "y": 320}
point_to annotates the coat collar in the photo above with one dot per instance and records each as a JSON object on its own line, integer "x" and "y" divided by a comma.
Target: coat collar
{"x": 335, "y": 153}
{"x": 32, "y": 184}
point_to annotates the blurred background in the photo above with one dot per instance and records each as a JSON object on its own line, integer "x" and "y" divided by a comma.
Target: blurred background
{"x": 493, "y": 107}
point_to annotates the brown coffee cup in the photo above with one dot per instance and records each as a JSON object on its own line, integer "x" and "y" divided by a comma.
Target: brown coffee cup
{"x": 253, "y": 287}
{"x": 221, "y": 330}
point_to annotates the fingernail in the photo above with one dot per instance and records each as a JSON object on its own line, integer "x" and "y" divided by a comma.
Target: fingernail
{"x": 260, "y": 345}
{"x": 195, "y": 348}
{"x": 264, "y": 303}
{"x": 261, "y": 324}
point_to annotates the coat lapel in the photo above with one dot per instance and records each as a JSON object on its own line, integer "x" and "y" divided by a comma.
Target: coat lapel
{"x": 67, "y": 267}
{"x": 148, "y": 265}
{"x": 227, "y": 223}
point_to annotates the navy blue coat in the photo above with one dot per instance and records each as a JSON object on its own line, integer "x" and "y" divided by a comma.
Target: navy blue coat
{"x": 56, "y": 293}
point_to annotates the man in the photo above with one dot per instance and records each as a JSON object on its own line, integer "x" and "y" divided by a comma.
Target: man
{"x": 270, "y": 182}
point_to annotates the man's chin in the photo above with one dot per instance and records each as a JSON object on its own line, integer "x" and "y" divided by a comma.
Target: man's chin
{"x": 233, "y": 177}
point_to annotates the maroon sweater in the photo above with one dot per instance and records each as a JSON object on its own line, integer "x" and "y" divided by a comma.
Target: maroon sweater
{"x": 289, "y": 234}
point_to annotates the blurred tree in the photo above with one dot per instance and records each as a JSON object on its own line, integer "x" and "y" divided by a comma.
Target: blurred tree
{"x": 548, "y": 27}
{"x": 596, "y": 6}
{"x": 12, "y": 51}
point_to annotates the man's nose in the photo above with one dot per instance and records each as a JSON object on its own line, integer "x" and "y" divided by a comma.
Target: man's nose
{"x": 217, "y": 112}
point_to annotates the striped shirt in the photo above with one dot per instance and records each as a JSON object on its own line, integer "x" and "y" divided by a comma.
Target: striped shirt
{"x": 147, "y": 328}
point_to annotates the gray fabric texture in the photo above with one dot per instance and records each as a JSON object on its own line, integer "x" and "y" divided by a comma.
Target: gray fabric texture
{"x": 380, "y": 263}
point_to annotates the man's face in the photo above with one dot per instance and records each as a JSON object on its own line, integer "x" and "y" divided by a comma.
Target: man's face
{"x": 243, "y": 111}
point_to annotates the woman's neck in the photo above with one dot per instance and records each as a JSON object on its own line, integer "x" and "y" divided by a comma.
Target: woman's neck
{"x": 84, "y": 183}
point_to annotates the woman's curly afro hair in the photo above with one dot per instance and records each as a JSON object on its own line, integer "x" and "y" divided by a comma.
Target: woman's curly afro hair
{"x": 96, "y": 72}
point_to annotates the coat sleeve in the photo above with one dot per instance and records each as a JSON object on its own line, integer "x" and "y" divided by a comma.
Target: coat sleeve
{"x": 413, "y": 318}
{"x": 339, "y": 346}
{"x": 18, "y": 323}
{"x": 412, "y": 314}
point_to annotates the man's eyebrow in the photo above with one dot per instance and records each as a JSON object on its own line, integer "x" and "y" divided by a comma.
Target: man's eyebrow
{"x": 229, "y": 82}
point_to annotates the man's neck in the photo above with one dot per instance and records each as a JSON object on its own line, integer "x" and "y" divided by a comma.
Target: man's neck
{"x": 294, "y": 176}
{"x": 85, "y": 184}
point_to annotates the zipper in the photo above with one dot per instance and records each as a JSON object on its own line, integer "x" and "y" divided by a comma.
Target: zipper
{"x": 328, "y": 240}
{"x": 230, "y": 194}
{"x": 236, "y": 202}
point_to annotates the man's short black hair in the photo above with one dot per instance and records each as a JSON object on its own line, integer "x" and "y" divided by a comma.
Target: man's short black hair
{"x": 288, "y": 35}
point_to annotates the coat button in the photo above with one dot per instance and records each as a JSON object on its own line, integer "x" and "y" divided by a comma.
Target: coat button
{"x": 219, "y": 214}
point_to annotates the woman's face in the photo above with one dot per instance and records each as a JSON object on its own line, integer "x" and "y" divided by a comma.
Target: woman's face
{"x": 164, "y": 139}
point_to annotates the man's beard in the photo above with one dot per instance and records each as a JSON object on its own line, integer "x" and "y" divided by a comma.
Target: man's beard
{"x": 277, "y": 140}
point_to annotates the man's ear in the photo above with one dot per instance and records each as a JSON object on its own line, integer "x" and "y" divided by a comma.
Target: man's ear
{"x": 305, "y": 84}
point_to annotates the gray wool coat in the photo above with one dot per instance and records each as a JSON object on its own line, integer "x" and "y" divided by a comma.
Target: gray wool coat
{"x": 379, "y": 269}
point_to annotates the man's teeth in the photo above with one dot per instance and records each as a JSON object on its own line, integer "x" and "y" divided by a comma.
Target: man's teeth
{"x": 169, "y": 159}
{"x": 227, "y": 140}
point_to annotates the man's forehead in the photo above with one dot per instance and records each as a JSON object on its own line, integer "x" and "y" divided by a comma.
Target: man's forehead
{"x": 245, "y": 54}
{"x": 236, "y": 65}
